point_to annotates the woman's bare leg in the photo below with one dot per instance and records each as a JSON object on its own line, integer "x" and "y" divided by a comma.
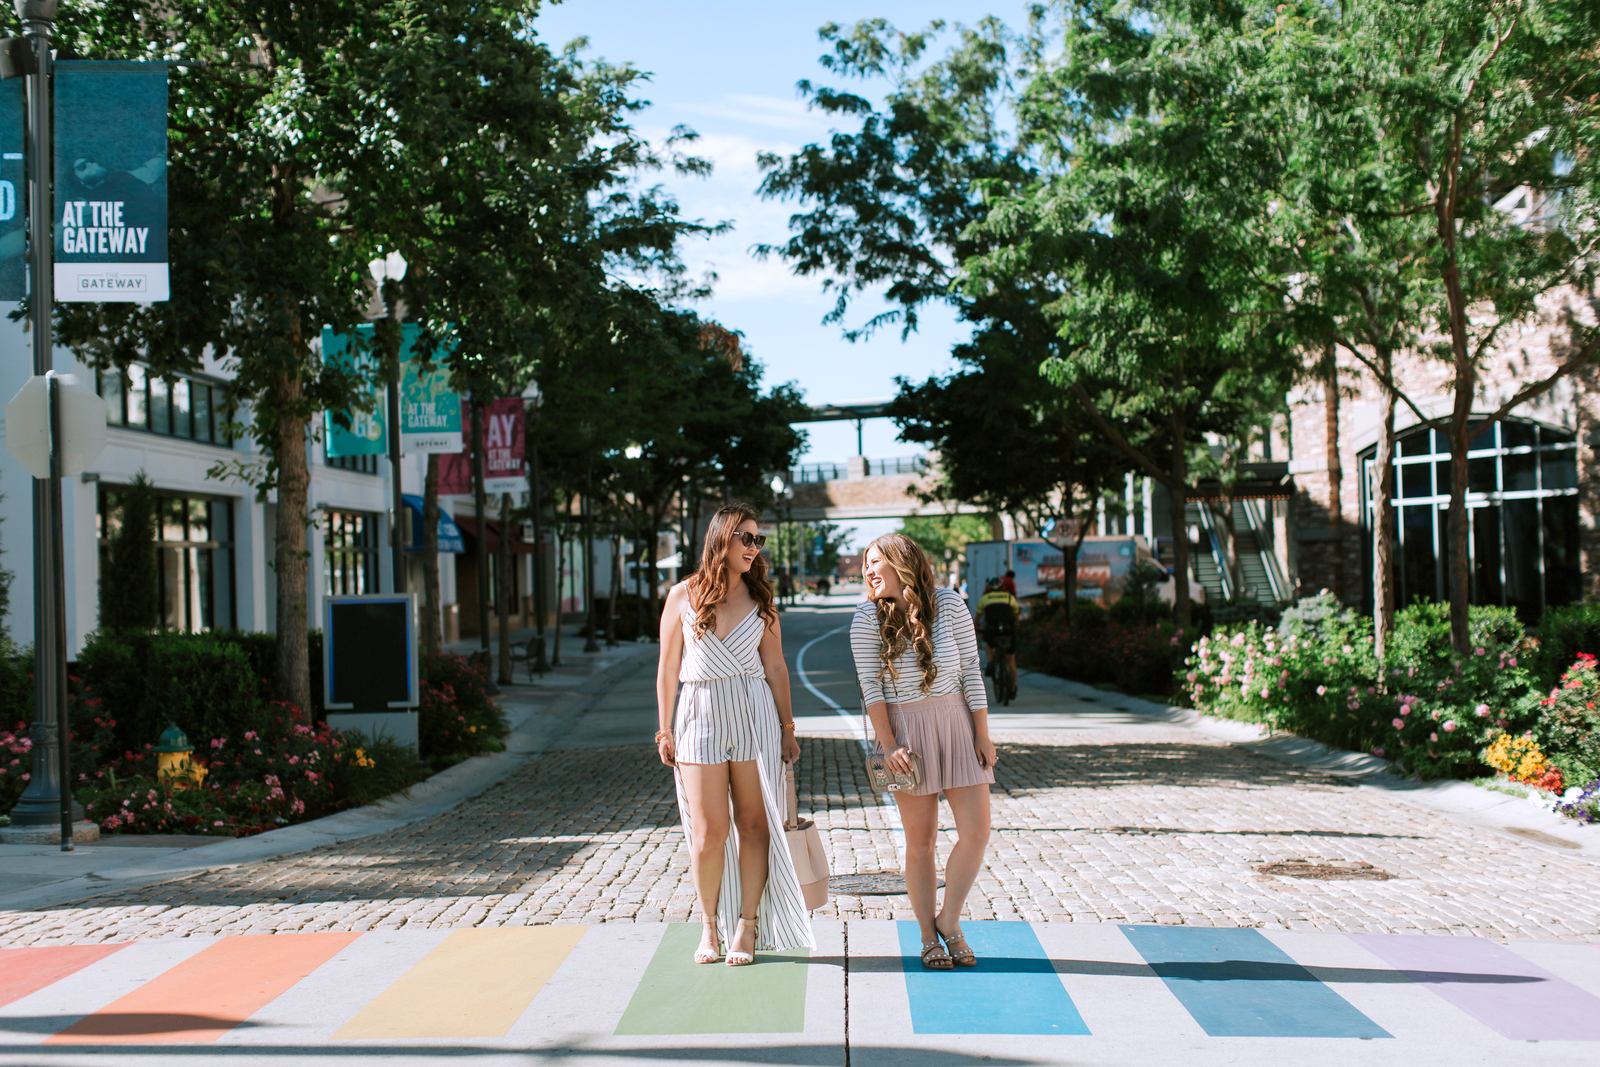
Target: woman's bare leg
{"x": 970, "y": 805}
{"x": 920, "y": 817}
{"x": 755, "y": 838}
{"x": 706, "y": 786}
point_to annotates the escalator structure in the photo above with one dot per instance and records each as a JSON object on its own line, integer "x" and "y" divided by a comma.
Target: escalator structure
{"x": 1259, "y": 578}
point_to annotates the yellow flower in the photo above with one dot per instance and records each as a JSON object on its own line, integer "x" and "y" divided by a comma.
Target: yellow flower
{"x": 1517, "y": 758}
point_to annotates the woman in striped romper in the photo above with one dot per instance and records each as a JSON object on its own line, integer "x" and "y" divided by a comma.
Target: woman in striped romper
{"x": 735, "y": 730}
{"x": 917, "y": 661}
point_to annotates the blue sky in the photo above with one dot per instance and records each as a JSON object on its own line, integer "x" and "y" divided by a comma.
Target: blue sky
{"x": 728, "y": 70}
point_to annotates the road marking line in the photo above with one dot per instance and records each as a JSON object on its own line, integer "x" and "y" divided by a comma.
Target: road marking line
{"x": 1509, "y": 994}
{"x": 476, "y": 983}
{"x": 209, "y": 993}
{"x": 891, "y": 811}
{"x": 1236, "y": 983}
{"x": 28, "y": 970}
{"x": 1014, "y": 989}
{"x": 678, "y": 996}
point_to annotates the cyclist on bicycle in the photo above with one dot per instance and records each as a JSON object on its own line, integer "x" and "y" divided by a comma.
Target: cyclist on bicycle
{"x": 998, "y": 612}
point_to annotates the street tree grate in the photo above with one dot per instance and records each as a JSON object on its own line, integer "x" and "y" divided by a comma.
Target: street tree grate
{"x": 1325, "y": 872}
{"x": 870, "y": 884}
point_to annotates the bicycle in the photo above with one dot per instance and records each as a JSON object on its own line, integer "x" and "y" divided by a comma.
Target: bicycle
{"x": 1002, "y": 646}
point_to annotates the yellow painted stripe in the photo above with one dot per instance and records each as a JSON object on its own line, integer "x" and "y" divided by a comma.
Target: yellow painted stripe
{"x": 477, "y": 983}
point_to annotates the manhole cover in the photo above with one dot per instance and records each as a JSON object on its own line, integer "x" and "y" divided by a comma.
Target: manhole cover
{"x": 1326, "y": 872}
{"x": 1541, "y": 837}
{"x": 870, "y": 884}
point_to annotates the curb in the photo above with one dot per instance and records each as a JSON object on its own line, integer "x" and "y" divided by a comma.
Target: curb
{"x": 432, "y": 796}
{"x": 1512, "y": 817}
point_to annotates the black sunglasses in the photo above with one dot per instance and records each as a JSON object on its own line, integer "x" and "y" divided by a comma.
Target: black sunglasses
{"x": 752, "y": 540}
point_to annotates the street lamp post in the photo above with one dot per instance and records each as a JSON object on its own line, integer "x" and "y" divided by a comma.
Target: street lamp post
{"x": 49, "y": 793}
{"x": 384, "y": 270}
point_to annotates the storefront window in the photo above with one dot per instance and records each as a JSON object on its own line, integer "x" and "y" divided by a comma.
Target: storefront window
{"x": 194, "y": 557}
{"x": 350, "y": 558}
{"x": 1522, "y": 506}
{"x": 175, "y": 406}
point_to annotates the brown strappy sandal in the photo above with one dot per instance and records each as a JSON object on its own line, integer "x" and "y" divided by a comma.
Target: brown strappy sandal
{"x": 961, "y": 953}
{"x": 935, "y": 958}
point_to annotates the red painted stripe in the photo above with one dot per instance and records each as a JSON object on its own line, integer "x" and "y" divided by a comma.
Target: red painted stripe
{"x": 28, "y": 970}
{"x": 209, "y": 993}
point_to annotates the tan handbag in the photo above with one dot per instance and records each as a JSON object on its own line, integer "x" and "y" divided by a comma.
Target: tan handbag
{"x": 805, "y": 846}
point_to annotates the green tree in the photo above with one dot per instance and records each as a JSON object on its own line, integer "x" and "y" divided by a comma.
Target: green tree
{"x": 1442, "y": 175}
{"x": 128, "y": 591}
{"x": 317, "y": 132}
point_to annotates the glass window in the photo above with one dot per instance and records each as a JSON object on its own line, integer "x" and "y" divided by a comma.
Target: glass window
{"x": 176, "y": 407}
{"x": 194, "y": 557}
{"x": 1523, "y": 541}
{"x": 138, "y": 399}
{"x": 350, "y": 564}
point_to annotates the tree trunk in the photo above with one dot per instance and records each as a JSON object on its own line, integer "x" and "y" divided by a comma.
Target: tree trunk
{"x": 651, "y": 623}
{"x": 432, "y": 610}
{"x": 616, "y": 590}
{"x": 479, "y": 506}
{"x": 294, "y": 483}
{"x": 1330, "y": 430}
{"x": 561, "y": 566}
{"x": 1458, "y": 530}
{"x": 1383, "y": 541}
{"x": 1178, "y": 498}
{"x": 503, "y": 590}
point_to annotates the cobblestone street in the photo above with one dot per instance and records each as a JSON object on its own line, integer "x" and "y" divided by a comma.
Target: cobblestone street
{"x": 1129, "y": 822}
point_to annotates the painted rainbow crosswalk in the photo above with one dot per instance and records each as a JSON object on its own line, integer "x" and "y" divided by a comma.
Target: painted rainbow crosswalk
{"x": 628, "y": 986}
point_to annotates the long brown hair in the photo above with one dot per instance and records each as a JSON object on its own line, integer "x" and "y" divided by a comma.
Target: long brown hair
{"x": 909, "y": 619}
{"x": 708, "y": 586}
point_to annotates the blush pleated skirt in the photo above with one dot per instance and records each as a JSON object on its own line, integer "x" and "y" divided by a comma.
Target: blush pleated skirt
{"x": 939, "y": 729}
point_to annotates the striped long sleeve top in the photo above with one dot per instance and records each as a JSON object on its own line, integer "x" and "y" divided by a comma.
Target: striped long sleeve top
{"x": 955, "y": 652}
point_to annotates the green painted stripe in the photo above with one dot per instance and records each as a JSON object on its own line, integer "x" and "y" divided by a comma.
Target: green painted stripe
{"x": 679, "y": 996}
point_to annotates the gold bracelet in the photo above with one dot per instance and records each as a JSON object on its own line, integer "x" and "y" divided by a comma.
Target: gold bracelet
{"x": 788, "y": 726}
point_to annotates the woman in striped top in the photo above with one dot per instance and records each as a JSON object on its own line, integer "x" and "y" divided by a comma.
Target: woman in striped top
{"x": 917, "y": 660}
{"x": 735, "y": 730}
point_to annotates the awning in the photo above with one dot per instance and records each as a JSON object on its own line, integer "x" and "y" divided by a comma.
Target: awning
{"x": 449, "y": 533}
{"x": 469, "y": 531}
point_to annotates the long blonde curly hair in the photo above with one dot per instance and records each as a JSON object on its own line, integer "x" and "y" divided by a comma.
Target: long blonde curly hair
{"x": 908, "y": 620}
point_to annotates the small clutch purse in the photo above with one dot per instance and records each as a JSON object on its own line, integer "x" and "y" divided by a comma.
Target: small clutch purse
{"x": 883, "y": 780}
{"x": 879, "y": 776}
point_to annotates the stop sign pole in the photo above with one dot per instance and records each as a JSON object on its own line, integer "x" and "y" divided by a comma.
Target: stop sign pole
{"x": 49, "y": 792}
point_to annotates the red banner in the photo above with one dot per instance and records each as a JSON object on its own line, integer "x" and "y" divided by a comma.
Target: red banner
{"x": 503, "y": 451}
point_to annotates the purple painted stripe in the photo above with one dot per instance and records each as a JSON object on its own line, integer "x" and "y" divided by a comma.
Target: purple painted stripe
{"x": 1510, "y": 995}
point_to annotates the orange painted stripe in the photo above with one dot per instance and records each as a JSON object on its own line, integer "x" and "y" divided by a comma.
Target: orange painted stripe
{"x": 28, "y": 970}
{"x": 209, "y": 993}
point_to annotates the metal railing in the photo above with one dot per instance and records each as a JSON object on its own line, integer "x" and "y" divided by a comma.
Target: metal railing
{"x": 830, "y": 472}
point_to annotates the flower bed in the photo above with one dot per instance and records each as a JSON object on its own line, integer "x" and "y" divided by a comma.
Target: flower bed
{"x": 1428, "y": 711}
{"x": 260, "y": 765}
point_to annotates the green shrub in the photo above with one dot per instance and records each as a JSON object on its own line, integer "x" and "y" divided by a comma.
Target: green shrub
{"x": 128, "y": 594}
{"x": 1093, "y": 648}
{"x": 1238, "y": 612}
{"x": 1564, "y": 633}
{"x": 1568, "y": 727}
{"x": 1425, "y": 709}
{"x": 457, "y": 718}
{"x": 203, "y": 683}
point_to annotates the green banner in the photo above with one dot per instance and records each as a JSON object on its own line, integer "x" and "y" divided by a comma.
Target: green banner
{"x": 13, "y": 178}
{"x": 430, "y": 412}
{"x": 111, "y": 181}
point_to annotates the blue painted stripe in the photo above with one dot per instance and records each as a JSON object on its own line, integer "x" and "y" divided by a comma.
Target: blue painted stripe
{"x": 1236, "y": 983}
{"x": 1014, "y": 989}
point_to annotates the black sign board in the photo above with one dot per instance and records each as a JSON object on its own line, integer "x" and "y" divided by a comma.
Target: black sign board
{"x": 369, "y": 652}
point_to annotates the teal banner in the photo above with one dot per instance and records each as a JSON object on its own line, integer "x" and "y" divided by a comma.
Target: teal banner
{"x": 111, "y": 181}
{"x": 367, "y": 434}
{"x": 430, "y": 412}
{"x": 13, "y": 179}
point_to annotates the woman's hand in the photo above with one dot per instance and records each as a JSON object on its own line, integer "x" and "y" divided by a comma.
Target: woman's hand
{"x": 791, "y": 747}
{"x": 667, "y": 750}
{"x": 986, "y": 753}
{"x": 899, "y": 760}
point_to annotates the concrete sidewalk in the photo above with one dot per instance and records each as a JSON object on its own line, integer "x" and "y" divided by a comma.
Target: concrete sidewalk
{"x": 541, "y": 713}
{"x": 1043, "y": 993}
